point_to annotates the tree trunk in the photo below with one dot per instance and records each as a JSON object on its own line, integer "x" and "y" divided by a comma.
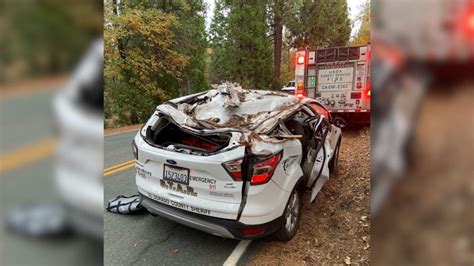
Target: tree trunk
{"x": 115, "y": 7}
{"x": 277, "y": 44}
{"x": 239, "y": 69}
{"x": 121, "y": 48}
{"x": 278, "y": 11}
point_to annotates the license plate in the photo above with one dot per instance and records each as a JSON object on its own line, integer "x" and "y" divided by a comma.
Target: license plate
{"x": 176, "y": 174}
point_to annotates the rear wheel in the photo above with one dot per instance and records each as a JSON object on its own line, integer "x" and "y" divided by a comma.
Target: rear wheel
{"x": 291, "y": 216}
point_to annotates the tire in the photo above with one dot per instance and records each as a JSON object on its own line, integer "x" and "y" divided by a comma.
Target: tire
{"x": 291, "y": 216}
{"x": 335, "y": 158}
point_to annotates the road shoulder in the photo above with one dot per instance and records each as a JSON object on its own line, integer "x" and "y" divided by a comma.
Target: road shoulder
{"x": 118, "y": 130}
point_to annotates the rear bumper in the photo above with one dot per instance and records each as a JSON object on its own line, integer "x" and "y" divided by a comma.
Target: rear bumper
{"x": 216, "y": 226}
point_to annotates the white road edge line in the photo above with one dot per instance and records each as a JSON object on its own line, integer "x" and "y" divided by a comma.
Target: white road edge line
{"x": 239, "y": 250}
{"x": 117, "y": 133}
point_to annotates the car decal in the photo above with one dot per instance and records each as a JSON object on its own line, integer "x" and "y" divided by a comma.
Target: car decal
{"x": 187, "y": 190}
{"x": 179, "y": 204}
{"x": 142, "y": 172}
{"x": 221, "y": 194}
{"x": 203, "y": 179}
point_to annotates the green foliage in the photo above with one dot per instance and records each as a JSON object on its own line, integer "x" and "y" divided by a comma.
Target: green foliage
{"x": 241, "y": 48}
{"x": 158, "y": 49}
{"x": 281, "y": 13}
{"x": 287, "y": 67}
{"x": 219, "y": 43}
{"x": 192, "y": 42}
{"x": 45, "y": 37}
{"x": 322, "y": 23}
{"x": 140, "y": 57}
{"x": 363, "y": 35}
{"x": 247, "y": 44}
{"x": 154, "y": 51}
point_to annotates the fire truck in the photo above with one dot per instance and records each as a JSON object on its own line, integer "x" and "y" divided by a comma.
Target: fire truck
{"x": 339, "y": 78}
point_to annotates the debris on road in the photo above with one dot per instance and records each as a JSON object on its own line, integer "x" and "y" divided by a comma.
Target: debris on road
{"x": 38, "y": 220}
{"x": 125, "y": 205}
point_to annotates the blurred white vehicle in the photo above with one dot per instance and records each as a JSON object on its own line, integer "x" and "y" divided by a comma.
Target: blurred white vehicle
{"x": 289, "y": 87}
{"x": 79, "y": 112}
{"x": 234, "y": 162}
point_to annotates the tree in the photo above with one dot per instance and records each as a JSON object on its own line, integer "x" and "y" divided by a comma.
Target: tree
{"x": 281, "y": 12}
{"x": 191, "y": 41}
{"x": 363, "y": 35}
{"x": 288, "y": 65}
{"x": 45, "y": 37}
{"x": 241, "y": 48}
{"x": 322, "y": 23}
{"x": 219, "y": 43}
{"x": 154, "y": 50}
{"x": 140, "y": 58}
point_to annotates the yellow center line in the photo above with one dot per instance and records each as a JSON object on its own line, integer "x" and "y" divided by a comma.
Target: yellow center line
{"x": 30, "y": 153}
{"x": 119, "y": 167}
{"x": 40, "y": 150}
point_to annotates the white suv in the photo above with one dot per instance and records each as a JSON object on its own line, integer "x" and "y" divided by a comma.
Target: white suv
{"x": 235, "y": 162}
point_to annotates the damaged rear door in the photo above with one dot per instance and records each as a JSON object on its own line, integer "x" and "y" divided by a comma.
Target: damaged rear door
{"x": 320, "y": 170}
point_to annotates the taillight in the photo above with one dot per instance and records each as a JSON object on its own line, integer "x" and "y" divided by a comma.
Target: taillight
{"x": 263, "y": 171}
{"x": 234, "y": 168}
{"x": 368, "y": 93}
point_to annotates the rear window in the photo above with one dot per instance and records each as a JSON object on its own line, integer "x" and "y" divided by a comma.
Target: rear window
{"x": 170, "y": 136}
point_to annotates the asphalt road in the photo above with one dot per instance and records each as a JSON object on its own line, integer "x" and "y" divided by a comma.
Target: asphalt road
{"x": 143, "y": 239}
{"x": 26, "y": 120}
{"x": 137, "y": 239}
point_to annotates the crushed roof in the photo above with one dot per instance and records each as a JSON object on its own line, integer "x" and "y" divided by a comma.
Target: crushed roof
{"x": 230, "y": 106}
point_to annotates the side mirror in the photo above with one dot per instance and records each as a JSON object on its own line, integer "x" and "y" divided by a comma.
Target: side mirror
{"x": 339, "y": 122}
